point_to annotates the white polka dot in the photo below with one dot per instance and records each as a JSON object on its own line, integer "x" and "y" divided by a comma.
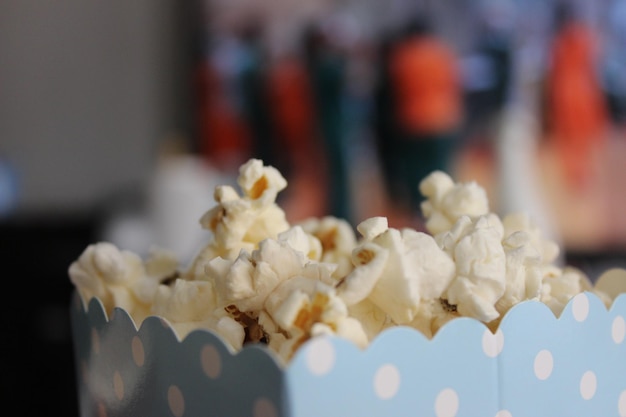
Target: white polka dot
{"x": 320, "y": 356}
{"x": 504, "y": 413}
{"x": 176, "y": 401}
{"x": 211, "y": 361}
{"x": 95, "y": 341}
{"x": 118, "y": 385}
{"x": 618, "y": 329}
{"x": 264, "y": 408}
{"x": 543, "y": 364}
{"x": 621, "y": 404}
{"x": 386, "y": 381}
{"x": 493, "y": 343}
{"x": 580, "y": 307}
{"x": 102, "y": 411}
{"x": 447, "y": 403}
{"x": 138, "y": 352}
{"x": 588, "y": 384}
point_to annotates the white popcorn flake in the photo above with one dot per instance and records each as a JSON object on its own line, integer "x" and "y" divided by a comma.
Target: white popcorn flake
{"x": 396, "y": 270}
{"x": 370, "y": 261}
{"x": 432, "y": 315}
{"x": 118, "y": 278}
{"x": 372, "y": 227}
{"x": 161, "y": 263}
{"x": 446, "y": 201}
{"x": 241, "y": 222}
{"x": 372, "y": 319}
{"x": 523, "y": 271}
{"x": 185, "y": 301}
{"x": 191, "y": 305}
{"x": 559, "y": 286}
{"x": 299, "y": 240}
{"x": 480, "y": 267}
{"x": 231, "y": 331}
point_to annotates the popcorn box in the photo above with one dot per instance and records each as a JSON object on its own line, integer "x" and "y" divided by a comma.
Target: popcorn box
{"x": 534, "y": 365}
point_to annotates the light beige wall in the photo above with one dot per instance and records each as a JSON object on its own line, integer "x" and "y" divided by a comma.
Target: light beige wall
{"x": 87, "y": 89}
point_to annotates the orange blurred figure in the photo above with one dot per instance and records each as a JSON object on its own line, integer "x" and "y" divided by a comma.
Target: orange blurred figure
{"x": 224, "y": 140}
{"x": 293, "y": 119}
{"x": 428, "y": 103}
{"x": 577, "y": 112}
{"x": 428, "y": 85}
{"x": 291, "y": 105}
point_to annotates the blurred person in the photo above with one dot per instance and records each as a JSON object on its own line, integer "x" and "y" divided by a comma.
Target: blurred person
{"x": 488, "y": 69}
{"x": 384, "y": 123}
{"x": 428, "y": 105}
{"x": 577, "y": 116}
{"x": 291, "y": 107}
{"x": 253, "y": 81}
{"x": 326, "y": 70}
{"x": 299, "y": 157}
{"x": 614, "y": 65}
{"x": 224, "y": 140}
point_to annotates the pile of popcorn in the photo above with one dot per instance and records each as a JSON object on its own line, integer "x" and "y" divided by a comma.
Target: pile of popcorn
{"x": 260, "y": 279}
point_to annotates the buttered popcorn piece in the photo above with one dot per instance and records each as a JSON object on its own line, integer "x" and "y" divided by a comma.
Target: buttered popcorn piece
{"x": 530, "y": 257}
{"x": 241, "y": 222}
{"x": 337, "y": 241}
{"x": 304, "y": 308}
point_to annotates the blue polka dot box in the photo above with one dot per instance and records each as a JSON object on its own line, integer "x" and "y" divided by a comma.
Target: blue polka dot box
{"x": 535, "y": 365}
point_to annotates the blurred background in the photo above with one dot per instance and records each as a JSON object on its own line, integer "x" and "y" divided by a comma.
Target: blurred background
{"x": 117, "y": 120}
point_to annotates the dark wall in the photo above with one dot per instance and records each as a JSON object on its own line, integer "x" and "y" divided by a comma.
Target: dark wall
{"x": 35, "y": 343}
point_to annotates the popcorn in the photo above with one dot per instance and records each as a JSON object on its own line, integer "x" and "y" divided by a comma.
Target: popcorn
{"x": 117, "y": 278}
{"x": 524, "y": 272}
{"x": 191, "y": 305}
{"x": 447, "y": 201}
{"x": 396, "y": 270}
{"x": 475, "y": 246}
{"x": 259, "y": 279}
{"x": 337, "y": 240}
{"x": 252, "y": 277}
{"x": 241, "y": 222}
{"x": 305, "y": 307}
{"x": 559, "y": 286}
